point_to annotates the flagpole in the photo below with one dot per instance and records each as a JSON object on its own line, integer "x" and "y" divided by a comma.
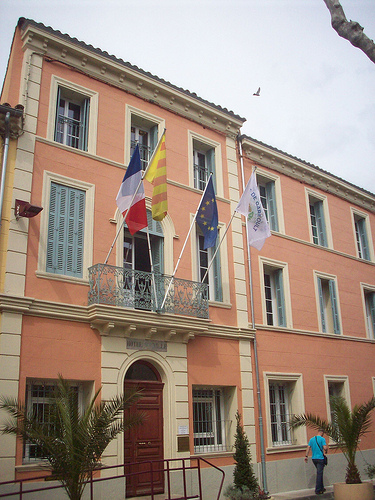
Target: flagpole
{"x": 217, "y": 248}
{"x": 183, "y": 248}
{"x": 260, "y": 419}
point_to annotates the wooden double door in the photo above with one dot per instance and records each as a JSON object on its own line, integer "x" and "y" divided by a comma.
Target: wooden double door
{"x": 143, "y": 446}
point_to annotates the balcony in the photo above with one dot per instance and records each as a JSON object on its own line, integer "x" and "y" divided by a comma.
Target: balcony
{"x": 132, "y": 289}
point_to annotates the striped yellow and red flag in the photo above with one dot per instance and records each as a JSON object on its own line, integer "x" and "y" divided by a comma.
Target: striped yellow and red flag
{"x": 157, "y": 175}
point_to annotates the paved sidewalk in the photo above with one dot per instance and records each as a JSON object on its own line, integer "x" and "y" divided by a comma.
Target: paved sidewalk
{"x": 304, "y": 495}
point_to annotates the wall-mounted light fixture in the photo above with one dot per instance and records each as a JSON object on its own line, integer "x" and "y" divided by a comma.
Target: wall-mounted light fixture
{"x": 26, "y": 209}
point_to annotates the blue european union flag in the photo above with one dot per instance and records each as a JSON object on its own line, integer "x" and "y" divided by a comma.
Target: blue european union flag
{"x": 207, "y": 216}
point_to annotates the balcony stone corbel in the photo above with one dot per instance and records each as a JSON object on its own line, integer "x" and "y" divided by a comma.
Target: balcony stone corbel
{"x": 104, "y": 328}
{"x": 170, "y": 334}
{"x": 150, "y": 332}
{"x": 187, "y": 336}
{"x": 129, "y": 330}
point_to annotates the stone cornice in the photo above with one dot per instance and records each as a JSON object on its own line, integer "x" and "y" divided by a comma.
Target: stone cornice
{"x": 99, "y": 65}
{"x": 266, "y": 156}
{"x": 110, "y": 320}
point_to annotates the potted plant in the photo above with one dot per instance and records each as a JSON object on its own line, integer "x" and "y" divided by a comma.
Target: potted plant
{"x": 345, "y": 429}
{"x": 245, "y": 485}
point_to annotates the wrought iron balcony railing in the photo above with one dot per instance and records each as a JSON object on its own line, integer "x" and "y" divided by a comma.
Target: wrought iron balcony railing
{"x": 141, "y": 290}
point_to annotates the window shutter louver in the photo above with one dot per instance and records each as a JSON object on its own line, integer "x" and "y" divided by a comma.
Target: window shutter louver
{"x": 271, "y": 202}
{"x": 321, "y": 303}
{"x": 84, "y": 132}
{"x": 320, "y": 222}
{"x": 371, "y": 307}
{"x": 217, "y": 275}
{"x": 153, "y": 139}
{"x": 280, "y": 301}
{"x": 363, "y": 238}
{"x": 210, "y": 159}
{"x": 57, "y": 113}
{"x": 335, "y": 312}
{"x": 66, "y": 231}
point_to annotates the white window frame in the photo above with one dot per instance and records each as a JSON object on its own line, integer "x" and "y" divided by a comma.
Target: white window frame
{"x": 263, "y": 177}
{"x": 56, "y": 82}
{"x": 328, "y": 277}
{"x": 265, "y": 263}
{"x": 296, "y": 406}
{"x": 223, "y": 263}
{"x": 313, "y": 196}
{"x": 357, "y": 215}
{"x": 48, "y": 178}
{"x": 194, "y": 139}
{"x": 141, "y": 117}
{"x": 227, "y": 416}
{"x": 345, "y": 392}
{"x": 370, "y": 329}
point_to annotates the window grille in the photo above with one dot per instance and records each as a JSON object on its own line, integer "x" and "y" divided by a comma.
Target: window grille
{"x": 280, "y": 414}
{"x": 209, "y": 423}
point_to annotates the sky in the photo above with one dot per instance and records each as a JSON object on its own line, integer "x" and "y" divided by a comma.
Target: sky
{"x": 317, "y": 98}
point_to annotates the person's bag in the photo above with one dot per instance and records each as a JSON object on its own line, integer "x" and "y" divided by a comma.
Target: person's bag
{"x": 325, "y": 458}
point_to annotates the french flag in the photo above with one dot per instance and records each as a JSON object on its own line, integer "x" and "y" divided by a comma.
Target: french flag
{"x": 131, "y": 196}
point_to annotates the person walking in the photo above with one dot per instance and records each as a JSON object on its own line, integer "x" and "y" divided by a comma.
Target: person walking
{"x": 319, "y": 448}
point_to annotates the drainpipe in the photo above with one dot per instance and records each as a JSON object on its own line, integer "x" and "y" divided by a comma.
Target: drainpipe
{"x": 260, "y": 419}
{"x": 4, "y": 163}
{"x": 11, "y": 126}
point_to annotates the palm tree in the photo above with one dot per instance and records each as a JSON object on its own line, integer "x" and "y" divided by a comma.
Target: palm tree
{"x": 345, "y": 429}
{"x": 72, "y": 442}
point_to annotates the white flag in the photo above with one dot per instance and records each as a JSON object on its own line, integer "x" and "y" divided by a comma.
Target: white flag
{"x": 251, "y": 207}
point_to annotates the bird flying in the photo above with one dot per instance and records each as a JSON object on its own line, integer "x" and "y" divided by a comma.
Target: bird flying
{"x": 257, "y": 92}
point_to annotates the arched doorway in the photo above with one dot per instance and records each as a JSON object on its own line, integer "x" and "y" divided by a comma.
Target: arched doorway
{"x": 144, "y": 443}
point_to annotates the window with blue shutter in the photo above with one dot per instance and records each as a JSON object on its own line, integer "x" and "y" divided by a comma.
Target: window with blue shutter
{"x": 370, "y": 313}
{"x": 213, "y": 276}
{"x": 72, "y": 119}
{"x": 361, "y": 237}
{"x": 65, "y": 241}
{"x": 204, "y": 165}
{"x": 145, "y": 134}
{"x": 274, "y": 296}
{"x": 328, "y": 304}
{"x": 280, "y": 300}
{"x": 318, "y": 225}
{"x": 267, "y": 193}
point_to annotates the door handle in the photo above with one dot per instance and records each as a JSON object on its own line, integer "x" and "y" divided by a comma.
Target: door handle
{"x": 141, "y": 443}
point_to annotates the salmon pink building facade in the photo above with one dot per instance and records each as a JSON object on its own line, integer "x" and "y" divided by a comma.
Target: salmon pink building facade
{"x": 83, "y": 297}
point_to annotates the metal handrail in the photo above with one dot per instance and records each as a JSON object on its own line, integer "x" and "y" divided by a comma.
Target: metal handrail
{"x": 165, "y": 469}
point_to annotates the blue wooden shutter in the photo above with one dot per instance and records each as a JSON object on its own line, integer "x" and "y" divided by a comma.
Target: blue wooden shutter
{"x": 335, "y": 309}
{"x": 322, "y": 308}
{"x": 210, "y": 159}
{"x": 57, "y": 112}
{"x": 320, "y": 223}
{"x": 280, "y": 298}
{"x": 361, "y": 223}
{"x": 84, "y": 131}
{"x": 371, "y": 311}
{"x": 65, "y": 231}
{"x": 153, "y": 139}
{"x": 74, "y": 237}
{"x": 216, "y": 267}
{"x": 271, "y": 205}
